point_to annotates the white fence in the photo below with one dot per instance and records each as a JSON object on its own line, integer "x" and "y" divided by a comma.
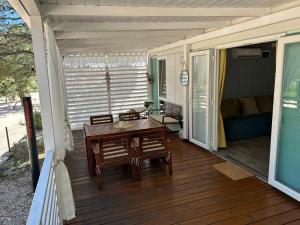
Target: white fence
{"x": 45, "y": 209}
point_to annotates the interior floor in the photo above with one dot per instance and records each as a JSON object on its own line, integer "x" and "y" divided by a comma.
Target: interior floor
{"x": 253, "y": 153}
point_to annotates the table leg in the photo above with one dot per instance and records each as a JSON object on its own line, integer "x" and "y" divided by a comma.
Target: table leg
{"x": 90, "y": 157}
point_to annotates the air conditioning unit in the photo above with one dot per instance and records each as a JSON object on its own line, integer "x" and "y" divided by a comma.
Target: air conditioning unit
{"x": 247, "y": 53}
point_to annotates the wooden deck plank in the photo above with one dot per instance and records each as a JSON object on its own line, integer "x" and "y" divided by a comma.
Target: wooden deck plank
{"x": 195, "y": 194}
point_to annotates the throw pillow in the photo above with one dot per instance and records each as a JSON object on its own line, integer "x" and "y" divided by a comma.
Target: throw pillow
{"x": 230, "y": 108}
{"x": 264, "y": 103}
{"x": 248, "y": 106}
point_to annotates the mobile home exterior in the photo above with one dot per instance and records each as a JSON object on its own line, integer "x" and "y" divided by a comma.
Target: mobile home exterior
{"x": 281, "y": 27}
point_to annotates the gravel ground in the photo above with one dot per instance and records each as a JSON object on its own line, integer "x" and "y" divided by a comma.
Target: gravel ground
{"x": 15, "y": 198}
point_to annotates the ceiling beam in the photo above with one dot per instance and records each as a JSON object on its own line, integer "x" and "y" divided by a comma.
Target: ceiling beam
{"x": 16, "y": 4}
{"x": 110, "y": 46}
{"x": 114, "y": 44}
{"x": 116, "y": 40}
{"x": 32, "y": 6}
{"x": 74, "y": 51}
{"x": 126, "y": 34}
{"x": 110, "y": 26}
{"x": 112, "y": 11}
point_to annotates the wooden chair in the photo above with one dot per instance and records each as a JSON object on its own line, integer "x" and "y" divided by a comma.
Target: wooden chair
{"x": 129, "y": 116}
{"x": 101, "y": 119}
{"x": 150, "y": 145}
{"x": 111, "y": 151}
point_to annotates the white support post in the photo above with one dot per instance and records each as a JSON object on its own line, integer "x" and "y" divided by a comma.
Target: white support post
{"x": 38, "y": 43}
{"x": 186, "y": 58}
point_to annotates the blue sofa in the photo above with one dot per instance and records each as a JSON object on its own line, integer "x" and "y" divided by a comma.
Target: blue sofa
{"x": 243, "y": 127}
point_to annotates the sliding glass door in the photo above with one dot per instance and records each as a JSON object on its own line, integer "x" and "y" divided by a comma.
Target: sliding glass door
{"x": 285, "y": 144}
{"x": 199, "y": 96}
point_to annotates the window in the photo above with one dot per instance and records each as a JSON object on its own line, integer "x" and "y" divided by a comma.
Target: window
{"x": 162, "y": 78}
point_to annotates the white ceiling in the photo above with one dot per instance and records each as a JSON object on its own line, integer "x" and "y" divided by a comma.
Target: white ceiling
{"x": 104, "y": 25}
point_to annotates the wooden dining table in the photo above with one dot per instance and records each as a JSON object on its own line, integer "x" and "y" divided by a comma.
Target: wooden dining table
{"x": 132, "y": 128}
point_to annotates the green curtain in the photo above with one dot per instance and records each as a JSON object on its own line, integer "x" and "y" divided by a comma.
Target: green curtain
{"x": 154, "y": 86}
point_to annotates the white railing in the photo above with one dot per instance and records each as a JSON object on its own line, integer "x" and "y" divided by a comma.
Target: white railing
{"x": 45, "y": 207}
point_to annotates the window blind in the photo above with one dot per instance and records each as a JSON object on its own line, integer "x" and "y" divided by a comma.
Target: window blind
{"x": 104, "y": 83}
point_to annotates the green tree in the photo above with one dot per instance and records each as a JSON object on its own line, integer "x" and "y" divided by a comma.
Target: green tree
{"x": 17, "y": 75}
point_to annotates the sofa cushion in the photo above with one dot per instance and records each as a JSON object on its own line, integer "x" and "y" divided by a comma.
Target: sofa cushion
{"x": 248, "y": 106}
{"x": 264, "y": 103}
{"x": 167, "y": 120}
{"x": 230, "y": 108}
{"x": 238, "y": 128}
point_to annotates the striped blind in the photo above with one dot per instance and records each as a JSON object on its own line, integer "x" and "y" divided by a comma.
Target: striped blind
{"x": 104, "y": 83}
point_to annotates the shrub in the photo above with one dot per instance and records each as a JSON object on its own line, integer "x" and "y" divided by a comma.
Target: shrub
{"x": 37, "y": 120}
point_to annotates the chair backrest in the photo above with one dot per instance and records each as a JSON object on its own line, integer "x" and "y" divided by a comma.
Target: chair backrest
{"x": 114, "y": 149}
{"x": 173, "y": 110}
{"x": 101, "y": 119}
{"x": 129, "y": 116}
{"x": 153, "y": 142}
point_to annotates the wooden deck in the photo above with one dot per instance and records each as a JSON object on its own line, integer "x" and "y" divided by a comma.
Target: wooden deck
{"x": 195, "y": 194}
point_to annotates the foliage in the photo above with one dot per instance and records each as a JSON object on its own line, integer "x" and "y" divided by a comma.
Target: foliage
{"x": 17, "y": 75}
{"x": 20, "y": 154}
{"x": 37, "y": 120}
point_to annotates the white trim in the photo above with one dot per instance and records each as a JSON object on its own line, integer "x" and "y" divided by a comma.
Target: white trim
{"x": 215, "y": 96}
{"x": 168, "y": 52}
{"x": 277, "y": 115}
{"x": 274, "y": 18}
{"x": 251, "y": 41}
{"x": 206, "y": 145}
{"x": 185, "y": 104}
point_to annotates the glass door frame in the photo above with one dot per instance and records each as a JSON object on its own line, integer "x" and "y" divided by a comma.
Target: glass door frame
{"x": 280, "y": 58}
{"x": 206, "y": 145}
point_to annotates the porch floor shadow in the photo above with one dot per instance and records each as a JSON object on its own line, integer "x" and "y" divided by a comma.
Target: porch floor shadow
{"x": 196, "y": 193}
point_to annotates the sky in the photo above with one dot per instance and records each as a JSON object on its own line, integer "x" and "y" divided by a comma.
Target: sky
{"x": 6, "y": 12}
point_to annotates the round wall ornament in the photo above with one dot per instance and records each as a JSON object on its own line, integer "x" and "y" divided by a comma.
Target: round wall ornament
{"x": 184, "y": 76}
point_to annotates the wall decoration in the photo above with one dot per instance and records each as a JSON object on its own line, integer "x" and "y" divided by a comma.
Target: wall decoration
{"x": 184, "y": 76}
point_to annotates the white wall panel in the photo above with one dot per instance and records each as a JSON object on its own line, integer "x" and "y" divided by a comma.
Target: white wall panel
{"x": 178, "y": 87}
{"x": 171, "y": 78}
{"x": 173, "y": 69}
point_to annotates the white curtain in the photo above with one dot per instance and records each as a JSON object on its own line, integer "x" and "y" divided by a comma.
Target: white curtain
{"x": 62, "y": 133}
{"x": 69, "y": 143}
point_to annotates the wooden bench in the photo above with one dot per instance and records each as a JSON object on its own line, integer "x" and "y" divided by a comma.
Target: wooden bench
{"x": 169, "y": 114}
